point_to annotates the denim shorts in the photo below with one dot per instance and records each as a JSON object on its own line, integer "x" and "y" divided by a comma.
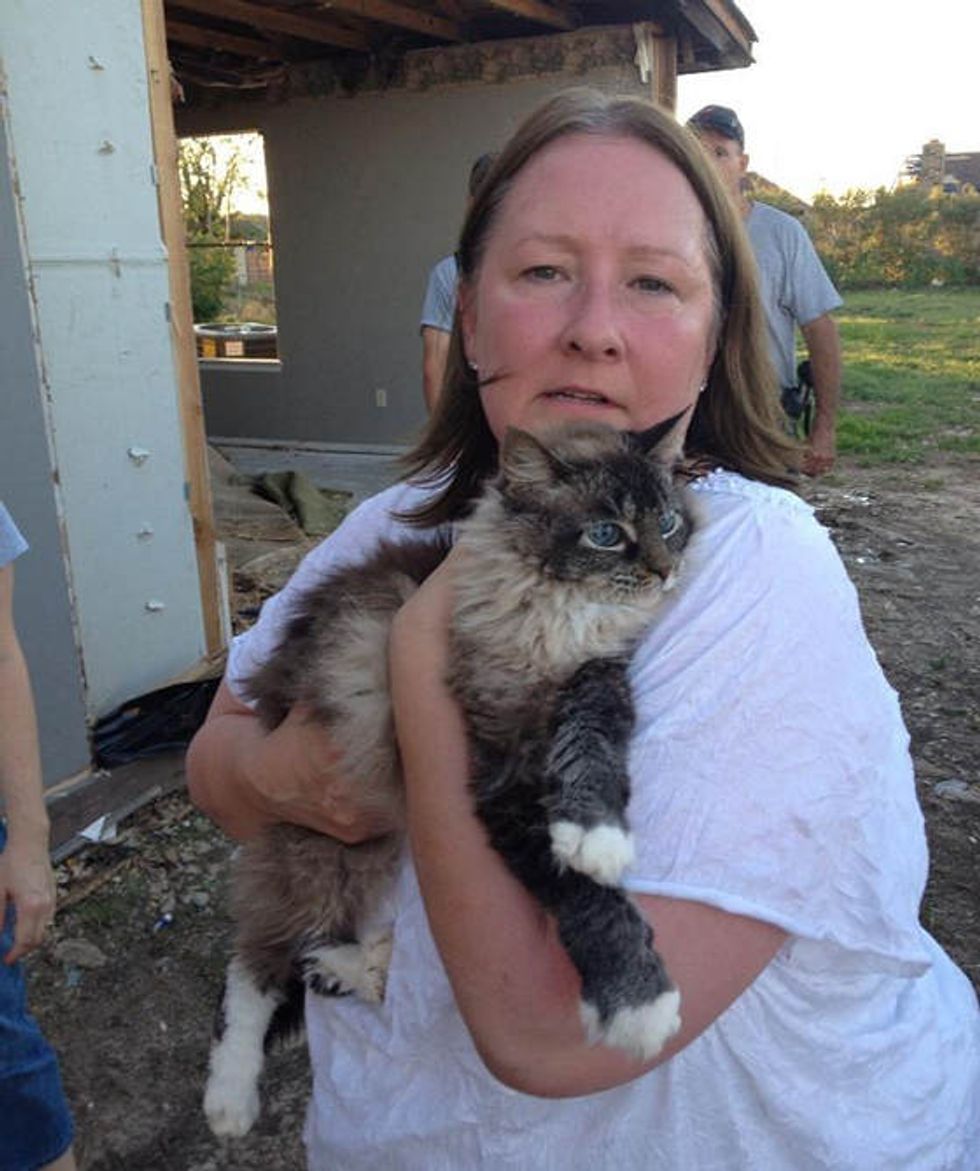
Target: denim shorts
{"x": 35, "y": 1124}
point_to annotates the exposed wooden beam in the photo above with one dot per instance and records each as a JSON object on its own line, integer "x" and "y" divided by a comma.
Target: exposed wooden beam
{"x": 206, "y": 38}
{"x": 537, "y": 11}
{"x": 737, "y": 27}
{"x": 191, "y": 410}
{"x": 717, "y": 24}
{"x": 398, "y": 15}
{"x": 451, "y": 8}
{"x": 261, "y": 17}
{"x": 664, "y": 79}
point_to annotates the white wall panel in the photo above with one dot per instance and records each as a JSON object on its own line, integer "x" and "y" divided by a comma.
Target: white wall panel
{"x": 78, "y": 120}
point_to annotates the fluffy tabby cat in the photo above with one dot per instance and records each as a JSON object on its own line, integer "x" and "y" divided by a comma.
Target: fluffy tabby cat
{"x": 567, "y": 554}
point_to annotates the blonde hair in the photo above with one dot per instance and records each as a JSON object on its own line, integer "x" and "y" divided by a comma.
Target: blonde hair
{"x": 737, "y": 423}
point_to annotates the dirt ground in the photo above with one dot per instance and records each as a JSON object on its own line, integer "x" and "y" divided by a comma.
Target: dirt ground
{"x": 126, "y": 985}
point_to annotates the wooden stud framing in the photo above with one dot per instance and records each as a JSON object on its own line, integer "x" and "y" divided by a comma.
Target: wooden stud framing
{"x": 537, "y": 11}
{"x": 261, "y": 17}
{"x": 399, "y": 15}
{"x": 660, "y": 53}
{"x": 181, "y": 319}
{"x": 206, "y": 38}
{"x": 664, "y": 80}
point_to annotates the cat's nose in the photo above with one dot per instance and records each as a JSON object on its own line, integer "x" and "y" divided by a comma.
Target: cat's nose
{"x": 652, "y": 549}
{"x": 659, "y": 561}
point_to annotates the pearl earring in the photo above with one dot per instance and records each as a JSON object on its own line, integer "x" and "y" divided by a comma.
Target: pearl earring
{"x": 472, "y": 365}
{"x": 702, "y": 388}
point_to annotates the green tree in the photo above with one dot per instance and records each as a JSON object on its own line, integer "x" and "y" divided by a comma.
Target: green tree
{"x": 212, "y": 269}
{"x": 907, "y": 238}
{"x": 212, "y": 173}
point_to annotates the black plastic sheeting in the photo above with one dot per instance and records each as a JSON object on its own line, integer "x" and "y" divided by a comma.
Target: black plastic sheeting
{"x": 160, "y": 721}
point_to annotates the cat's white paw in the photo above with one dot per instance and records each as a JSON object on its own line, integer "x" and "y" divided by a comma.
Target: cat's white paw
{"x": 231, "y": 1105}
{"x": 641, "y": 1031}
{"x": 603, "y": 852}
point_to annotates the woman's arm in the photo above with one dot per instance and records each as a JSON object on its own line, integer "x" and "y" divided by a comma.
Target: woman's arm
{"x": 246, "y": 778}
{"x": 26, "y": 878}
{"x": 513, "y": 982}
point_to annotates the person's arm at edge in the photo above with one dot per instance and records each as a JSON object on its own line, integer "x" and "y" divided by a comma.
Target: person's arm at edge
{"x": 435, "y": 350}
{"x": 513, "y": 982}
{"x": 823, "y": 344}
{"x": 246, "y": 778}
{"x": 25, "y": 865}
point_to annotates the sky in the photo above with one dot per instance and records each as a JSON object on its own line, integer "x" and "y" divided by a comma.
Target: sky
{"x": 842, "y": 91}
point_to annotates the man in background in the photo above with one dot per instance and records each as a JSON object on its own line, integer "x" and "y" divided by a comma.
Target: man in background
{"x": 439, "y": 306}
{"x": 796, "y": 290}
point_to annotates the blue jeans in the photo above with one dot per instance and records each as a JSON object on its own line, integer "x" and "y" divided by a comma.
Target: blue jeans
{"x": 35, "y": 1124}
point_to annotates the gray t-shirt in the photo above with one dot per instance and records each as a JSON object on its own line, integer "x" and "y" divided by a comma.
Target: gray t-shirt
{"x": 12, "y": 544}
{"x": 440, "y": 296}
{"x": 795, "y": 287}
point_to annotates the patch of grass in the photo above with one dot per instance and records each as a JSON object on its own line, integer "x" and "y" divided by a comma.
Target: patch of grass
{"x": 911, "y": 374}
{"x": 123, "y": 899}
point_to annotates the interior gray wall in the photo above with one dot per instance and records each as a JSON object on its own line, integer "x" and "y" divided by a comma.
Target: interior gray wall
{"x": 41, "y": 601}
{"x": 239, "y": 395}
{"x": 366, "y": 193}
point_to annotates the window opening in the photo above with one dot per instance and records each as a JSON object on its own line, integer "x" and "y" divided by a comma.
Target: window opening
{"x": 229, "y": 245}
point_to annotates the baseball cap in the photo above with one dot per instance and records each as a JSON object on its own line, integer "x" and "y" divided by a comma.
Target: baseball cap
{"x": 721, "y": 120}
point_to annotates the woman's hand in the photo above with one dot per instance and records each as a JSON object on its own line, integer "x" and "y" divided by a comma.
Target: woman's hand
{"x": 297, "y": 775}
{"x": 246, "y": 778}
{"x": 27, "y": 881}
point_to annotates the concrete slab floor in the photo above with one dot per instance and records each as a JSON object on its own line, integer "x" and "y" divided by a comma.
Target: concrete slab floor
{"x": 362, "y": 472}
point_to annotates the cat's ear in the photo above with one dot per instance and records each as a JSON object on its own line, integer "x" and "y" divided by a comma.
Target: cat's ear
{"x": 524, "y": 459}
{"x": 664, "y": 441}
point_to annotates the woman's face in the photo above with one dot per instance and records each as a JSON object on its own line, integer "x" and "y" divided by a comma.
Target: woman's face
{"x": 593, "y": 298}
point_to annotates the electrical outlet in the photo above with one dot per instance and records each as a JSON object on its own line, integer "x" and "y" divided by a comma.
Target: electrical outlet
{"x": 381, "y": 397}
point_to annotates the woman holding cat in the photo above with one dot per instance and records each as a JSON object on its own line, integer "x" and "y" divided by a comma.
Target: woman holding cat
{"x": 779, "y": 848}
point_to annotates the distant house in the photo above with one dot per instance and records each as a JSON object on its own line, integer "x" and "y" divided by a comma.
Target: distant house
{"x": 953, "y": 174}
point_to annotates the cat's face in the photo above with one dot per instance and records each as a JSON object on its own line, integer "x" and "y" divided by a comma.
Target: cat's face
{"x": 590, "y": 507}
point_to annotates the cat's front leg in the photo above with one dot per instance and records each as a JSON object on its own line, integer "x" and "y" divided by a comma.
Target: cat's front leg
{"x": 586, "y": 777}
{"x": 628, "y": 998}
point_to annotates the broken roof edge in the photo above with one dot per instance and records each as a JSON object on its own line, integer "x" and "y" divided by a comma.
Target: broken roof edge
{"x": 572, "y": 54}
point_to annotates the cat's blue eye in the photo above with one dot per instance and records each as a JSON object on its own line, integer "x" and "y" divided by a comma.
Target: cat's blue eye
{"x": 670, "y": 522}
{"x": 605, "y": 534}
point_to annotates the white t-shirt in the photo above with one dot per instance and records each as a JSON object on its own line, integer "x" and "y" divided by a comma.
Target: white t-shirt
{"x": 771, "y": 778}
